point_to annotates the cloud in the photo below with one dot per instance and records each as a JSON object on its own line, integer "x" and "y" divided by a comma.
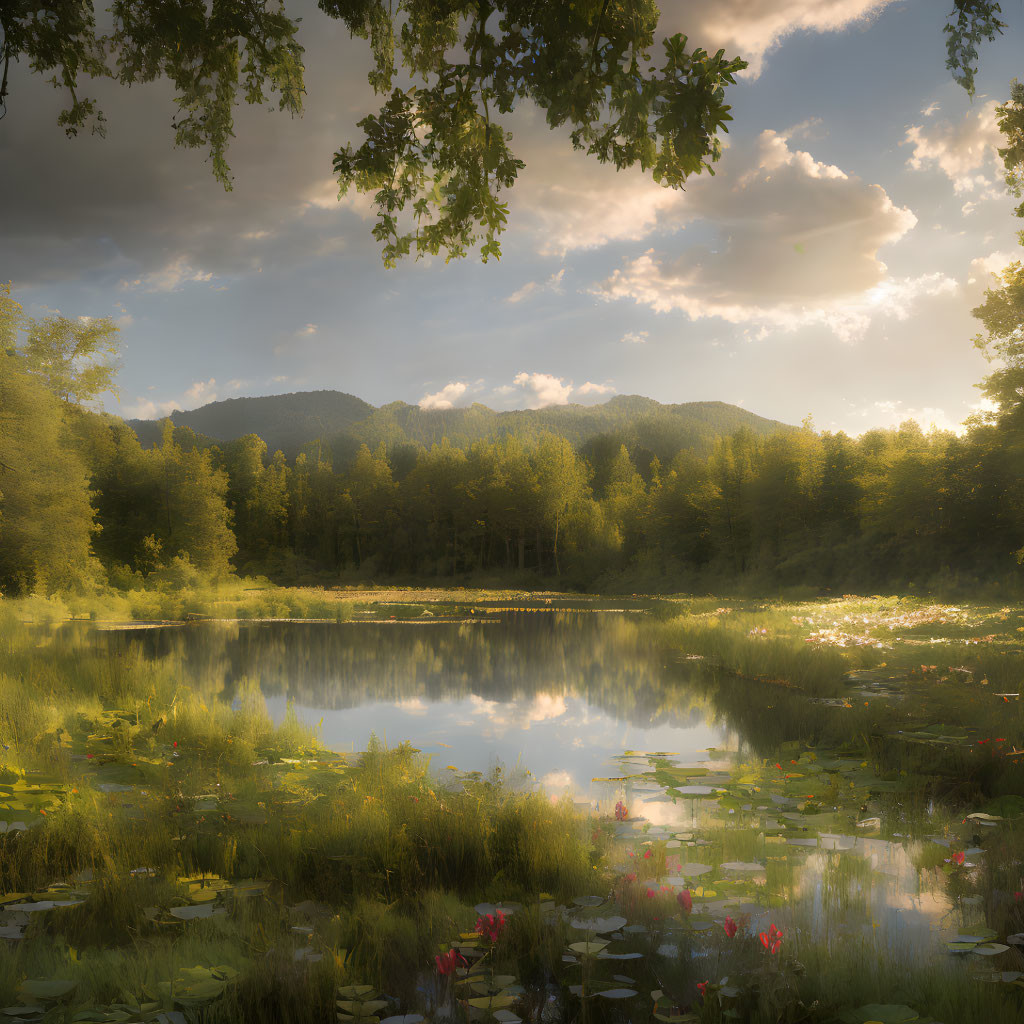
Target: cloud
{"x": 962, "y": 150}
{"x": 542, "y": 389}
{"x": 133, "y": 207}
{"x": 307, "y": 330}
{"x": 891, "y": 413}
{"x": 798, "y": 246}
{"x": 982, "y": 267}
{"x": 517, "y": 714}
{"x": 553, "y": 284}
{"x": 590, "y": 388}
{"x": 539, "y": 390}
{"x": 170, "y": 277}
{"x": 200, "y": 392}
{"x": 752, "y": 28}
{"x": 634, "y": 338}
{"x": 446, "y": 397}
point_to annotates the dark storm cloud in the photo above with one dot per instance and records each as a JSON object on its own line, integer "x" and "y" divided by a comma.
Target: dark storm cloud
{"x": 131, "y": 207}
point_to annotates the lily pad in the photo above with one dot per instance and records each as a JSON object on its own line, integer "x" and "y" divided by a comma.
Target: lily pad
{"x": 47, "y": 988}
{"x": 598, "y": 925}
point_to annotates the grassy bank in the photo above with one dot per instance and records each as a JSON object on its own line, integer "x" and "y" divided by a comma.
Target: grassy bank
{"x": 167, "y": 854}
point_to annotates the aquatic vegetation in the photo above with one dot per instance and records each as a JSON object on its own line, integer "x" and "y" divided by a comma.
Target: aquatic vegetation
{"x": 170, "y": 851}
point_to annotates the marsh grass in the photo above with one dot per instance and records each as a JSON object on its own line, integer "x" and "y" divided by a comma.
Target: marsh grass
{"x": 329, "y": 870}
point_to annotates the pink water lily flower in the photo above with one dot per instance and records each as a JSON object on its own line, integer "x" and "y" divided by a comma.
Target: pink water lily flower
{"x": 771, "y": 940}
{"x": 685, "y": 901}
{"x": 730, "y": 927}
{"x": 491, "y": 926}
{"x": 447, "y": 962}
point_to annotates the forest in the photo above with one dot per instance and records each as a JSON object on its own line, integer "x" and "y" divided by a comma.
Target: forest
{"x": 83, "y": 504}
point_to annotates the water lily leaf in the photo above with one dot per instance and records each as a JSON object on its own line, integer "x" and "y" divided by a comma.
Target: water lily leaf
{"x": 492, "y": 1002}
{"x": 588, "y": 901}
{"x": 617, "y": 993}
{"x": 47, "y": 988}
{"x": 605, "y": 955}
{"x": 743, "y": 865}
{"x": 191, "y": 913}
{"x": 503, "y": 1016}
{"x": 22, "y": 1011}
{"x": 361, "y": 1008}
{"x": 686, "y": 871}
{"x": 599, "y": 924}
{"x": 960, "y": 947}
{"x": 588, "y": 948}
{"x": 355, "y": 991}
{"x": 990, "y": 949}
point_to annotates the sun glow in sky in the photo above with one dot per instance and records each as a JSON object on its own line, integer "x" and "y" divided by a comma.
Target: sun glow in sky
{"x": 829, "y": 267}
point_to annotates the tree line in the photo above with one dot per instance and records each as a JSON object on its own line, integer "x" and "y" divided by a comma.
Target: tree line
{"x": 84, "y": 504}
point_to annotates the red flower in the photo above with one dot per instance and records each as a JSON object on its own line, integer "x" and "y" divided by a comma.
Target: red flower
{"x": 631, "y": 877}
{"x": 958, "y": 857}
{"x": 491, "y": 926}
{"x": 702, "y": 988}
{"x": 685, "y": 901}
{"x": 648, "y": 854}
{"x": 651, "y": 894}
{"x": 772, "y": 939}
{"x": 730, "y": 927}
{"x": 447, "y": 962}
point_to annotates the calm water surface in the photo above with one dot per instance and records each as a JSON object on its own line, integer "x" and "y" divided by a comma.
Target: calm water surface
{"x": 563, "y": 695}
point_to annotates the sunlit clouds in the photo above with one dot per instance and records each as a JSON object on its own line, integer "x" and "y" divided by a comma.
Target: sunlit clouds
{"x": 752, "y": 28}
{"x": 799, "y": 246}
{"x": 446, "y": 397}
{"x": 964, "y": 149}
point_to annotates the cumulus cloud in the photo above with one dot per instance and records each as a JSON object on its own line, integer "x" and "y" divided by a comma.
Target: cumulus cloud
{"x": 539, "y": 390}
{"x": 590, "y": 388}
{"x": 170, "y": 277}
{"x": 200, "y": 392}
{"x": 307, "y": 330}
{"x": 634, "y": 338}
{"x": 552, "y": 284}
{"x": 983, "y": 267}
{"x": 963, "y": 150}
{"x": 446, "y": 397}
{"x": 891, "y": 413}
{"x": 570, "y": 201}
{"x": 799, "y": 246}
{"x": 752, "y": 28}
{"x": 542, "y": 389}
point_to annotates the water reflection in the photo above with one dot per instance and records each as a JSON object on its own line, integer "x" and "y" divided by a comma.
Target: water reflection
{"x": 557, "y": 694}
{"x": 561, "y": 696}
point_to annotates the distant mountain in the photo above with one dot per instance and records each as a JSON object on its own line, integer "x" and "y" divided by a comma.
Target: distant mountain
{"x": 288, "y": 422}
{"x": 285, "y": 422}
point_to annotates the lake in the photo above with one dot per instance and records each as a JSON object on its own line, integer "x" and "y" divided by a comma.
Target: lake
{"x": 561, "y": 698}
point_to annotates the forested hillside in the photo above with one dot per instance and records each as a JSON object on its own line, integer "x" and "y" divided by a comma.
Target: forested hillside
{"x": 342, "y": 422}
{"x": 628, "y": 494}
{"x": 285, "y": 422}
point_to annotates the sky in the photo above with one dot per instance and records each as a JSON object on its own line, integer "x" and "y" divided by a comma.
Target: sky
{"x": 828, "y": 268}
